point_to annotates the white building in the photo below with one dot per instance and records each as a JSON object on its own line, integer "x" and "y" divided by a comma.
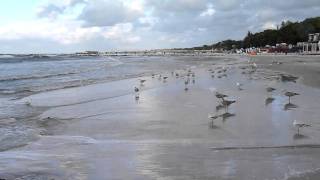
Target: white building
{"x": 313, "y": 44}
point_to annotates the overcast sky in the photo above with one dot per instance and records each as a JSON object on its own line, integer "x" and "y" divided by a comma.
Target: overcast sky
{"x": 48, "y": 26}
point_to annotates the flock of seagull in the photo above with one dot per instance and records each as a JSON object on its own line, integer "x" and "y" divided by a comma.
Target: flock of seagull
{"x": 224, "y": 102}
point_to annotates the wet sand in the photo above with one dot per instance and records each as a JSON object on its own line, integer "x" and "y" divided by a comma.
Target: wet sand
{"x": 102, "y": 132}
{"x": 307, "y": 68}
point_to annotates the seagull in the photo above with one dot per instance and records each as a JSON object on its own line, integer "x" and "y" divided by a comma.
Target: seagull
{"x": 270, "y": 89}
{"x": 239, "y": 85}
{"x": 28, "y": 103}
{"x": 290, "y": 94}
{"x": 136, "y": 89}
{"x": 221, "y": 96}
{"x": 254, "y": 65}
{"x": 227, "y": 103}
{"x": 212, "y": 117}
{"x": 165, "y": 78}
{"x": 143, "y": 81}
{"x": 186, "y": 82}
{"x": 300, "y": 125}
{"x": 137, "y": 96}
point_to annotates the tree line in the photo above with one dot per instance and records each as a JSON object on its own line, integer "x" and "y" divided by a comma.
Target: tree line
{"x": 288, "y": 32}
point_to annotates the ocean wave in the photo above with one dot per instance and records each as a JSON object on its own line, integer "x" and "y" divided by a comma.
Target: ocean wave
{"x": 16, "y": 136}
{"x": 6, "y": 56}
{"x": 17, "y": 78}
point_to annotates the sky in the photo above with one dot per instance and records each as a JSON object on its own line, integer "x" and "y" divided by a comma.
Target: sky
{"x": 64, "y": 26}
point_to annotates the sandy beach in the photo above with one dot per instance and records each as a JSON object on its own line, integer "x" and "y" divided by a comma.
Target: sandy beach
{"x": 101, "y": 131}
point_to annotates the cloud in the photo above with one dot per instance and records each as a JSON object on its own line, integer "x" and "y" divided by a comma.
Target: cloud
{"x": 53, "y": 9}
{"x": 210, "y": 11}
{"x": 64, "y": 33}
{"x": 139, "y": 24}
{"x": 109, "y": 13}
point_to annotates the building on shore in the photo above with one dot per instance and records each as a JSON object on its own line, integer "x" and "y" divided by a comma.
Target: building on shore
{"x": 312, "y": 46}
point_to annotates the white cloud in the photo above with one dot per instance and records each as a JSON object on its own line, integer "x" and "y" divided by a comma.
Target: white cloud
{"x": 64, "y": 33}
{"x": 109, "y": 13}
{"x": 121, "y": 32}
{"x": 208, "y": 12}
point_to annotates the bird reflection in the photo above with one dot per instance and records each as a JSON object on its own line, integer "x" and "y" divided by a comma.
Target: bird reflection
{"x": 269, "y": 100}
{"x": 227, "y": 115}
{"x": 220, "y": 106}
{"x": 213, "y": 126}
{"x": 298, "y": 136}
{"x": 290, "y": 106}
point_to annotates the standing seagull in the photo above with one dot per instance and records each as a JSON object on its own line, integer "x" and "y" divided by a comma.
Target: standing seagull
{"x": 254, "y": 65}
{"x": 270, "y": 89}
{"x": 290, "y": 94}
{"x": 136, "y": 89}
{"x": 212, "y": 118}
{"x": 186, "y": 82}
{"x": 227, "y": 103}
{"x": 300, "y": 125}
{"x": 221, "y": 96}
{"x": 142, "y": 81}
{"x": 239, "y": 85}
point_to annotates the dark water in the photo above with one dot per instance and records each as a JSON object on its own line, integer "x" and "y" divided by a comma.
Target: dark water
{"x": 25, "y": 74}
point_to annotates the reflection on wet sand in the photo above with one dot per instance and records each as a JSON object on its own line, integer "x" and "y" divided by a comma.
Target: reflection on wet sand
{"x": 269, "y": 100}
{"x": 299, "y": 136}
{"x": 290, "y": 106}
{"x": 227, "y": 115}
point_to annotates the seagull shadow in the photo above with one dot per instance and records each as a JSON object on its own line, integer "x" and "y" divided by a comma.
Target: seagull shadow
{"x": 290, "y": 106}
{"x": 226, "y": 116}
{"x": 269, "y": 100}
{"x": 299, "y": 136}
